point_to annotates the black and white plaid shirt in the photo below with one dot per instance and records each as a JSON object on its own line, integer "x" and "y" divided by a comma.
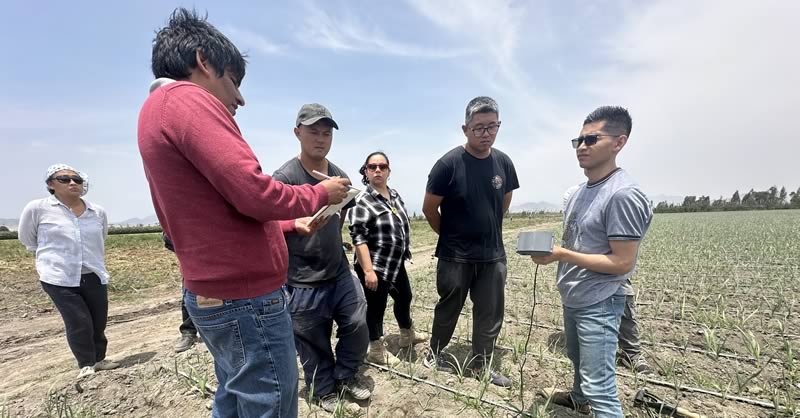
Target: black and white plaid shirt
{"x": 383, "y": 225}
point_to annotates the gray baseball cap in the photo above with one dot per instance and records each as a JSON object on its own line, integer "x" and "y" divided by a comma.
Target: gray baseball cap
{"x": 312, "y": 113}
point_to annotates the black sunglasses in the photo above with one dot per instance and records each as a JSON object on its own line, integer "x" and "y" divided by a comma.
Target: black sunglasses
{"x": 589, "y": 140}
{"x": 67, "y": 179}
{"x": 373, "y": 167}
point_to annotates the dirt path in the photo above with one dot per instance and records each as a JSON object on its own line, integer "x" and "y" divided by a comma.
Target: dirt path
{"x": 39, "y": 371}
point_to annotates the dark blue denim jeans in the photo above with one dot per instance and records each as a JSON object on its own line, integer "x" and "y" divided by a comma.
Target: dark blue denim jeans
{"x": 591, "y": 337}
{"x": 254, "y": 354}
{"x": 313, "y": 312}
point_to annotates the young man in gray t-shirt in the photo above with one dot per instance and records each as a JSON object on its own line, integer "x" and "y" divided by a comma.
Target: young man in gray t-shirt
{"x": 605, "y": 220}
{"x": 322, "y": 289}
{"x": 630, "y": 353}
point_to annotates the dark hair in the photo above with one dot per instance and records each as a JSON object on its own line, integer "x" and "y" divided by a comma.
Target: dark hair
{"x": 480, "y": 104}
{"x": 617, "y": 119}
{"x": 175, "y": 47}
{"x": 363, "y": 169}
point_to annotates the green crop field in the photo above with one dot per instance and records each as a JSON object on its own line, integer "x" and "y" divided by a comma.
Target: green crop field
{"x": 717, "y": 295}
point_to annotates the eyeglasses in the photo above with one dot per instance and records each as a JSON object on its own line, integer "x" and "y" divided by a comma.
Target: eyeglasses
{"x": 589, "y": 140}
{"x": 373, "y": 167}
{"x": 480, "y": 130}
{"x": 67, "y": 179}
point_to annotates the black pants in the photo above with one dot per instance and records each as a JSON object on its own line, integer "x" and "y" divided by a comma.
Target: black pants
{"x": 485, "y": 283}
{"x": 187, "y": 326}
{"x": 400, "y": 291}
{"x": 84, "y": 310}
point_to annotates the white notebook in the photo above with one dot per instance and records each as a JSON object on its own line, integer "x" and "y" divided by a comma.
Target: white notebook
{"x": 327, "y": 211}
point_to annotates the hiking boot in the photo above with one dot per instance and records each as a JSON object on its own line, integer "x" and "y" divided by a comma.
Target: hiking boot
{"x": 354, "y": 388}
{"x": 186, "y": 342}
{"x": 564, "y": 398}
{"x": 409, "y": 337}
{"x": 332, "y": 403}
{"x": 105, "y": 365}
{"x": 378, "y": 354}
{"x": 435, "y": 361}
{"x": 85, "y": 371}
{"x": 636, "y": 363}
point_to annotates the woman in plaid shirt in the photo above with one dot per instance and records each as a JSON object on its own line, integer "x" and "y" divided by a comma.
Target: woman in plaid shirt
{"x": 381, "y": 235}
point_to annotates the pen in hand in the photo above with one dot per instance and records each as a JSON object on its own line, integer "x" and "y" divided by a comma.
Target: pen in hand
{"x": 327, "y": 177}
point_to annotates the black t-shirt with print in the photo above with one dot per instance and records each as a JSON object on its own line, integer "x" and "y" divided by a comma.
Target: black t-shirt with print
{"x": 473, "y": 189}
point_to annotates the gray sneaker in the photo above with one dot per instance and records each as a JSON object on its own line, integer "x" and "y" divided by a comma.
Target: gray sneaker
{"x": 495, "y": 378}
{"x": 186, "y": 342}
{"x": 637, "y": 363}
{"x": 332, "y": 403}
{"x": 436, "y": 361}
{"x": 354, "y": 388}
{"x": 105, "y": 365}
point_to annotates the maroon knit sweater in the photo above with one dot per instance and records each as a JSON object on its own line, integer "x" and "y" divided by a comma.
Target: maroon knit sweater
{"x": 212, "y": 198}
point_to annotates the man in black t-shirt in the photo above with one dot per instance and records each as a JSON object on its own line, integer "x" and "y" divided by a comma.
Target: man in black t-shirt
{"x": 469, "y": 189}
{"x": 322, "y": 289}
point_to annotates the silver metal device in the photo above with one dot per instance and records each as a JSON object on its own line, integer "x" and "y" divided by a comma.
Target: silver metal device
{"x": 535, "y": 243}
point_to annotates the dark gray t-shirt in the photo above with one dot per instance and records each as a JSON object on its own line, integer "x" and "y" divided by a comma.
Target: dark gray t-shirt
{"x": 318, "y": 258}
{"x": 614, "y": 208}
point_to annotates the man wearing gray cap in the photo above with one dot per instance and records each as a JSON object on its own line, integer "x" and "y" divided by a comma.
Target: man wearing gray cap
{"x": 321, "y": 287}
{"x": 469, "y": 190}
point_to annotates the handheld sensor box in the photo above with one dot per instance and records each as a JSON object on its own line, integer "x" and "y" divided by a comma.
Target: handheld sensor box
{"x": 535, "y": 243}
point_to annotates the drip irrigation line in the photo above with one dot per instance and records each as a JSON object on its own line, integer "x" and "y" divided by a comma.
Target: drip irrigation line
{"x": 731, "y": 356}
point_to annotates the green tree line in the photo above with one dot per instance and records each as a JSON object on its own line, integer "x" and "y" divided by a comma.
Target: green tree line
{"x": 771, "y": 198}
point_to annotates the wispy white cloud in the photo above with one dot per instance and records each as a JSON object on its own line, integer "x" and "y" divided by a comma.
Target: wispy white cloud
{"x": 247, "y": 40}
{"x": 713, "y": 90}
{"x": 345, "y": 32}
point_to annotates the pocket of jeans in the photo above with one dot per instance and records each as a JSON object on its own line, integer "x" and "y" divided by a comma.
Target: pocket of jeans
{"x": 273, "y": 306}
{"x": 224, "y": 341}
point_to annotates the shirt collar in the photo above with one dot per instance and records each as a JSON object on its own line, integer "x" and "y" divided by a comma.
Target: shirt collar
{"x": 55, "y": 202}
{"x": 376, "y": 194}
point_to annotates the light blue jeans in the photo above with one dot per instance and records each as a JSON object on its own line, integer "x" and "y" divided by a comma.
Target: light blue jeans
{"x": 591, "y": 335}
{"x": 254, "y": 355}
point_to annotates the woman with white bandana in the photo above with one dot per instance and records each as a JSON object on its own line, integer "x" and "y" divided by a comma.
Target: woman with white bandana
{"x": 68, "y": 233}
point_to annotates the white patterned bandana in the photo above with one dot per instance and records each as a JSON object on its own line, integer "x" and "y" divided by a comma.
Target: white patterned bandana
{"x": 55, "y": 168}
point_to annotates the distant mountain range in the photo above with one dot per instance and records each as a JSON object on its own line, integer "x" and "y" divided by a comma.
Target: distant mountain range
{"x": 11, "y": 224}
{"x": 147, "y": 220}
{"x": 536, "y": 207}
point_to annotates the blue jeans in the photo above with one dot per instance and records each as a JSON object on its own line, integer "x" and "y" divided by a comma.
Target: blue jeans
{"x": 313, "y": 312}
{"x": 591, "y": 335}
{"x": 254, "y": 355}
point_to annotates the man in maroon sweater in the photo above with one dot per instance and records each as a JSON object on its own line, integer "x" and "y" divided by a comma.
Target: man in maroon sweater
{"x": 222, "y": 214}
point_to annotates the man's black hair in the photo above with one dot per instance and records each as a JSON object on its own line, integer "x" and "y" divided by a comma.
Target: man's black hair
{"x": 175, "y": 47}
{"x": 618, "y": 121}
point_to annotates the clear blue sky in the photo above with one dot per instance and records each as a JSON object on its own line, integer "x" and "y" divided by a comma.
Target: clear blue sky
{"x": 712, "y": 87}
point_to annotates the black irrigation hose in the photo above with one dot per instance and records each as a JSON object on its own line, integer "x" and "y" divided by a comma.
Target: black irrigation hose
{"x": 511, "y": 409}
{"x": 749, "y": 401}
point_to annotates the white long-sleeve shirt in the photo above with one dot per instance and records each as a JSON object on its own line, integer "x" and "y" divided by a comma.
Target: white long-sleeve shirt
{"x": 65, "y": 245}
